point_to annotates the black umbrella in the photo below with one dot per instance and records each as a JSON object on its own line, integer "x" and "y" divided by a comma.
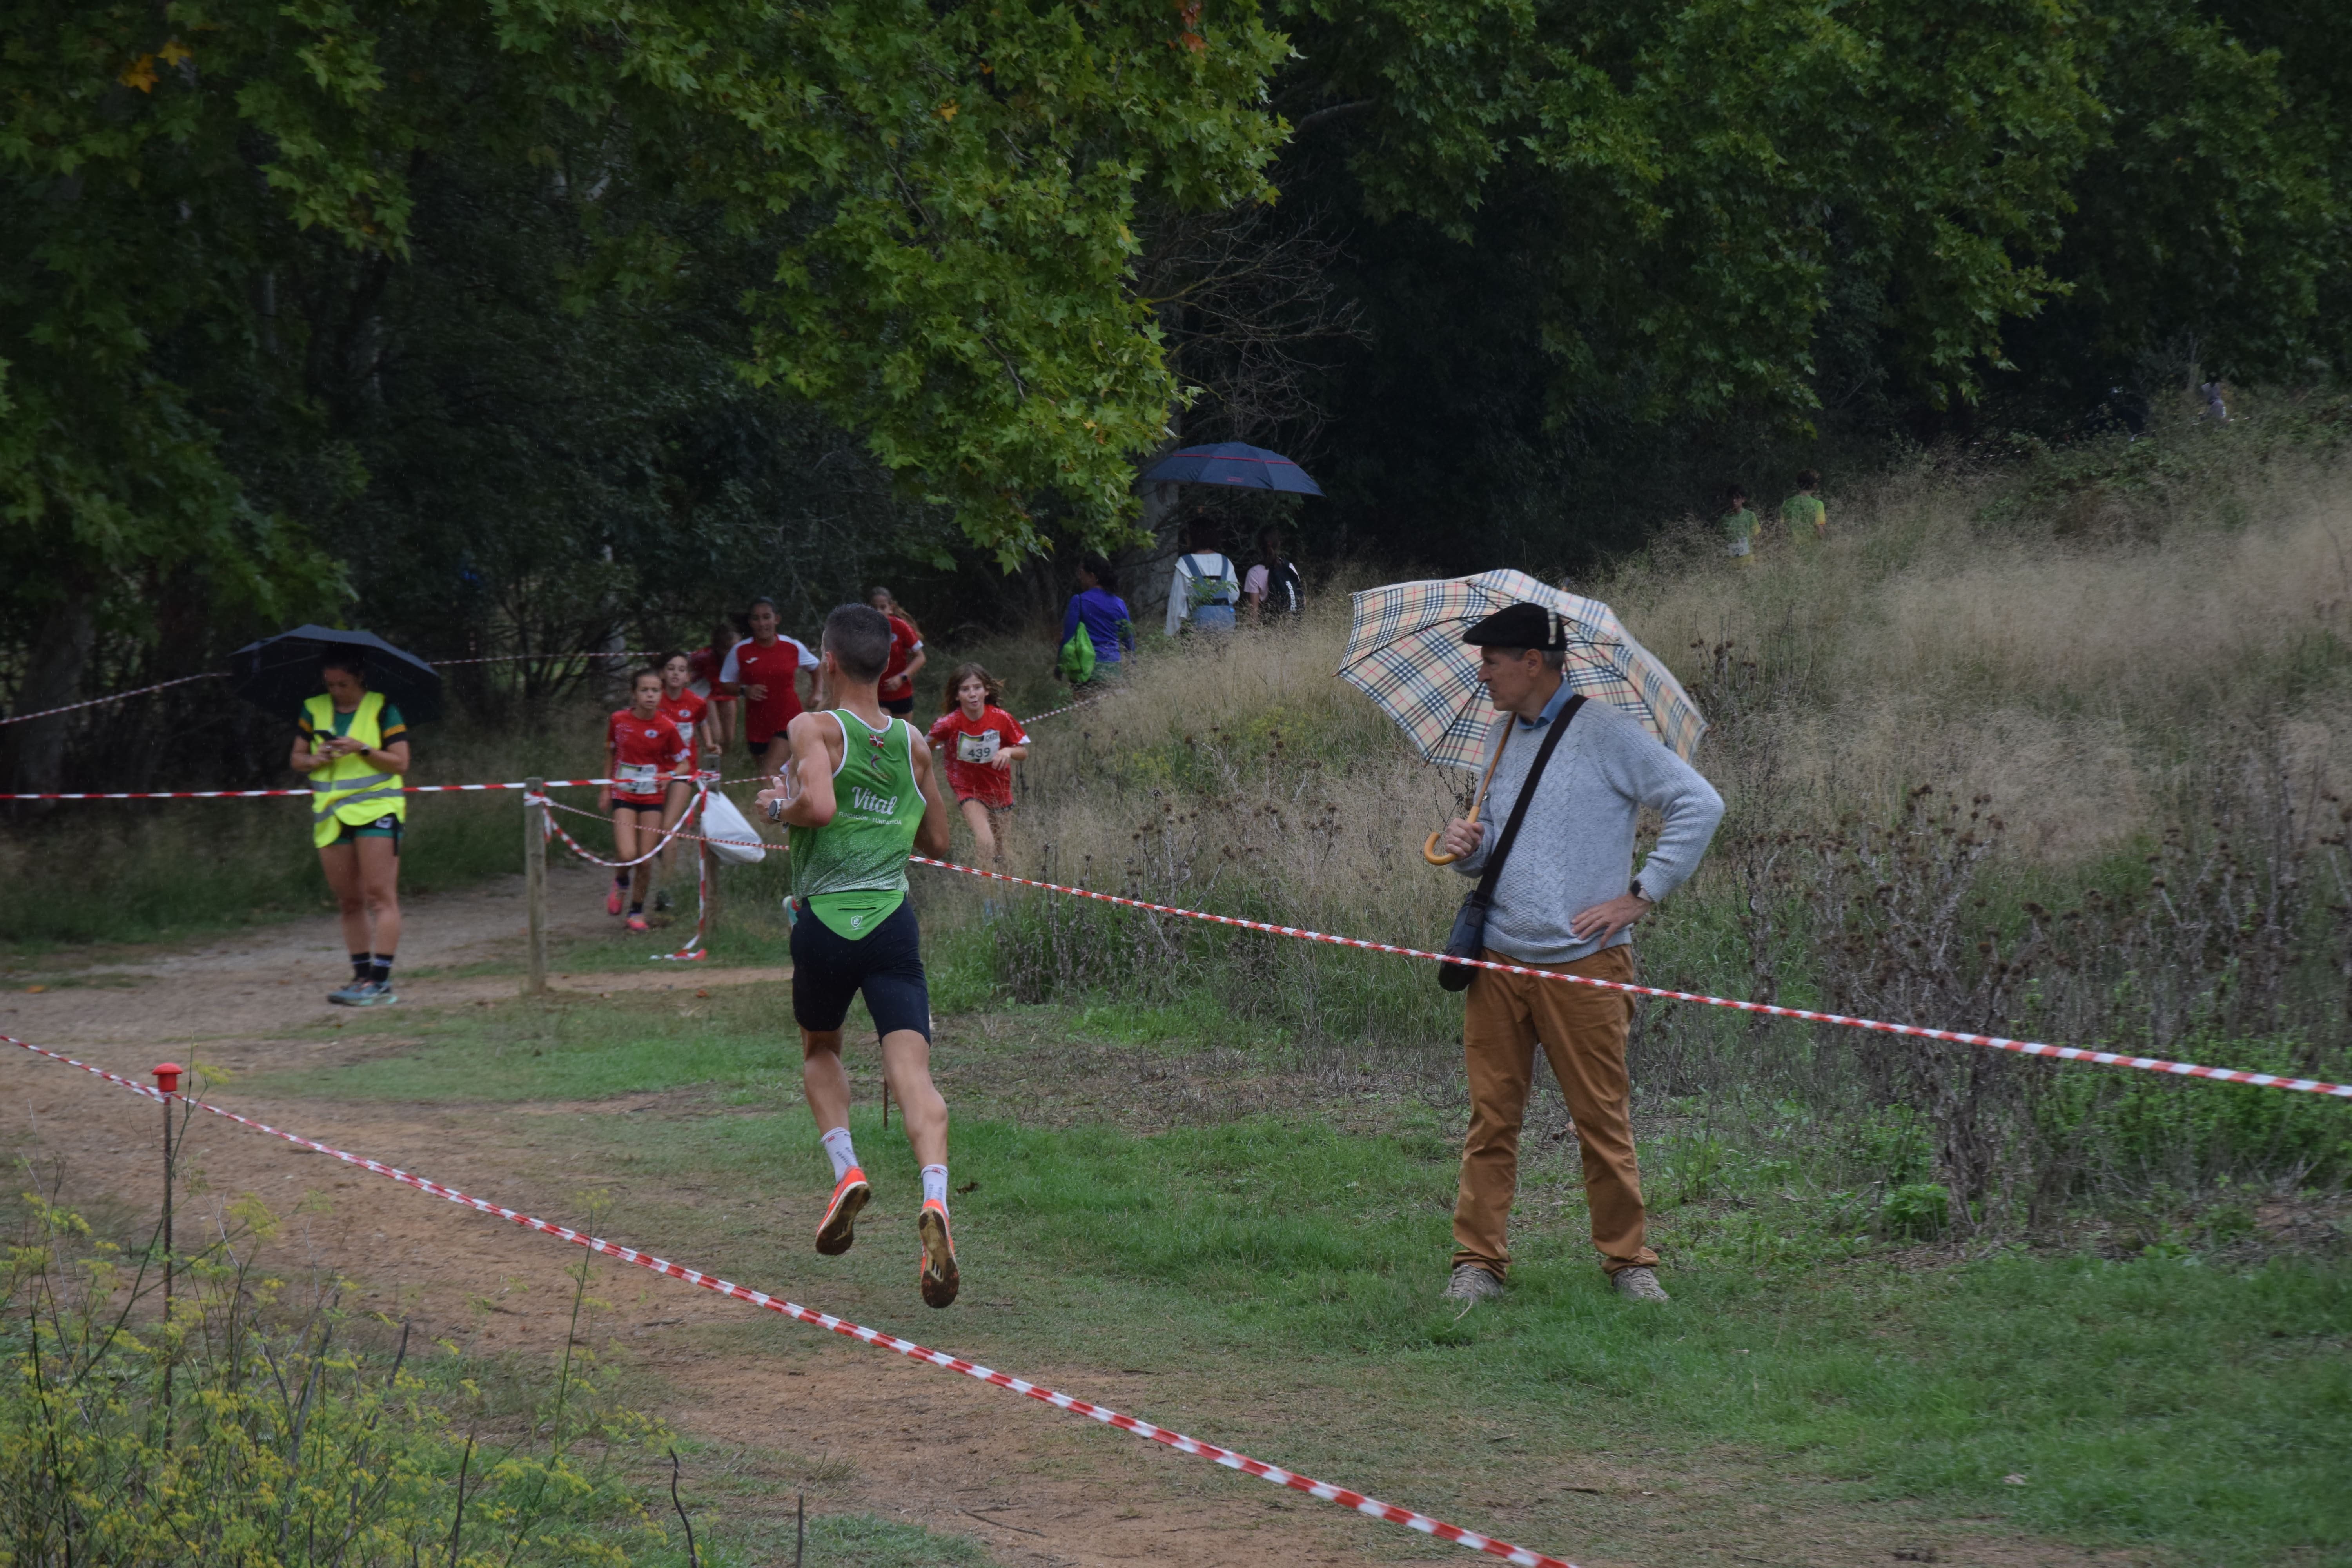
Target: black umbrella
{"x": 1233, "y": 463}
{"x": 279, "y": 673}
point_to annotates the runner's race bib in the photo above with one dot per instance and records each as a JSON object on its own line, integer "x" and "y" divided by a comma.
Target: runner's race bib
{"x": 685, "y": 730}
{"x": 639, "y": 778}
{"x": 979, "y": 748}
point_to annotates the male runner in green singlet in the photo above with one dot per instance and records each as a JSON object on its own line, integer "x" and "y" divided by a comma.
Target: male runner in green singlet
{"x": 858, "y": 795}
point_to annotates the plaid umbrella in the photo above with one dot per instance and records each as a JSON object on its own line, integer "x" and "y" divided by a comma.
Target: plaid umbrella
{"x": 1405, "y": 652}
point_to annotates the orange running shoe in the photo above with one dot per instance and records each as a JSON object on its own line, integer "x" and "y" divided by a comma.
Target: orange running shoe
{"x": 840, "y": 1227}
{"x": 938, "y": 1276}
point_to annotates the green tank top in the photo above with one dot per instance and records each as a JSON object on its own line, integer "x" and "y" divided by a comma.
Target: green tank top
{"x": 852, "y": 872}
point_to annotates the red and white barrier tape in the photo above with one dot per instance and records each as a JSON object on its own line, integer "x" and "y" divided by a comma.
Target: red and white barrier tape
{"x": 1372, "y": 1508}
{"x": 1805, "y": 1014}
{"x": 1994, "y": 1042}
{"x": 694, "y": 951}
{"x": 676, "y": 830}
{"x": 223, "y": 674}
{"x": 102, "y": 702}
{"x": 268, "y": 794}
{"x": 1049, "y": 713}
{"x": 1057, "y": 713}
{"x": 516, "y": 657}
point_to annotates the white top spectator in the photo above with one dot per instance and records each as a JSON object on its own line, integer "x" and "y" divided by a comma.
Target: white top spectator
{"x": 1205, "y": 580}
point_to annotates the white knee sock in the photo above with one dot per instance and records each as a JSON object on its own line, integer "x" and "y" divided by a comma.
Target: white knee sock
{"x": 836, "y": 1143}
{"x": 935, "y": 1185}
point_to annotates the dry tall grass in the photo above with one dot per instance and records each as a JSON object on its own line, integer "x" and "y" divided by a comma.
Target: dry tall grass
{"x": 2069, "y": 676}
{"x": 2073, "y": 680}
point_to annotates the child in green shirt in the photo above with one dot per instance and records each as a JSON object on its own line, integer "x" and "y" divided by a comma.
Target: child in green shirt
{"x": 1808, "y": 519}
{"x": 1740, "y": 528}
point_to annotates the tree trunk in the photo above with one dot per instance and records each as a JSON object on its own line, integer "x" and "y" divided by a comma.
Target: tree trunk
{"x": 37, "y": 751}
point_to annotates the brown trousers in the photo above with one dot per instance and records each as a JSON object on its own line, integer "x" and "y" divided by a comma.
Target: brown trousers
{"x": 1582, "y": 1031}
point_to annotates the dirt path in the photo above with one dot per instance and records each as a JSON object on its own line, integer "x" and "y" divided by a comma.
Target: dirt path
{"x": 853, "y": 1426}
{"x": 272, "y": 982}
{"x": 797, "y": 1409}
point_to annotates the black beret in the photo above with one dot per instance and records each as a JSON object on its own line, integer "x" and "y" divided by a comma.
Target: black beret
{"x": 1520, "y": 626}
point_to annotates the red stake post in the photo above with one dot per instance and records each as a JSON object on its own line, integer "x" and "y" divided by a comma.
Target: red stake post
{"x": 167, "y": 1080}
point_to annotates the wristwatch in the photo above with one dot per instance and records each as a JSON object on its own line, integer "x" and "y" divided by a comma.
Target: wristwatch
{"x": 1637, "y": 891}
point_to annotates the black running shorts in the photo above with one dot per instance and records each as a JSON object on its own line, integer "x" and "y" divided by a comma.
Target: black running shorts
{"x": 828, "y": 969}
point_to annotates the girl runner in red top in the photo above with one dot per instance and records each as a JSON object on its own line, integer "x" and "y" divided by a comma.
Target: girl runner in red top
{"x": 645, "y": 752}
{"x": 683, "y": 707}
{"x": 703, "y": 666}
{"x": 764, "y": 670}
{"x": 980, "y": 741}
{"x": 906, "y": 655}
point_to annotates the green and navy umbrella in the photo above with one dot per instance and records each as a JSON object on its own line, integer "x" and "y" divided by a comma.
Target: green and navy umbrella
{"x": 1405, "y": 652}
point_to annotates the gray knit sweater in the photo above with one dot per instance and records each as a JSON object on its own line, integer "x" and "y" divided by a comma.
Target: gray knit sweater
{"x": 1576, "y": 847}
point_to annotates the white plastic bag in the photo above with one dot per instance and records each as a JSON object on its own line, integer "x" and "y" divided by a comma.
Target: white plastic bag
{"x": 733, "y": 839}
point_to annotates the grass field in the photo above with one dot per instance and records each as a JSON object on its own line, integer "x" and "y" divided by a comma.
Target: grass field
{"x": 2192, "y": 1403}
{"x": 1957, "y": 1297}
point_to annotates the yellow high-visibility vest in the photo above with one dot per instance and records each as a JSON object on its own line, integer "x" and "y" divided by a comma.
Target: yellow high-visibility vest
{"x": 347, "y": 790}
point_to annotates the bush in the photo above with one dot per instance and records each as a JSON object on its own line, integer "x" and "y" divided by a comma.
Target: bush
{"x": 1920, "y": 1211}
{"x": 241, "y": 1430}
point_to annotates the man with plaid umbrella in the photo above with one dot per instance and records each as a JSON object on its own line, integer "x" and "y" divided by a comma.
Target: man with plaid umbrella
{"x": 1566, "y": 899}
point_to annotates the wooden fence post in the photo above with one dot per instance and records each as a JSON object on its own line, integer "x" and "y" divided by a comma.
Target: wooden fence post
{"x": 534, "y": 884}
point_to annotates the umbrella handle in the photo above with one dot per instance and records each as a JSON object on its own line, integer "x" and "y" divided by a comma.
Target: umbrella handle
{"x": 1429, "y": 850}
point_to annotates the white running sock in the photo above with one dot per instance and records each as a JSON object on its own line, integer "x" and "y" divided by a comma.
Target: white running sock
{"x": 935, "y": 1185}
{"x": 836, "y": 1143}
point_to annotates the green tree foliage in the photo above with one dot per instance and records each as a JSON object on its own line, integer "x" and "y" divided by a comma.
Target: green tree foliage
{"x": 1717, "y": 168}
{"x": 1612, "y": 256}
{"x": 520, "y": 323}
{"x": 943, "y": 195}
{"x": 2206, "y": 218}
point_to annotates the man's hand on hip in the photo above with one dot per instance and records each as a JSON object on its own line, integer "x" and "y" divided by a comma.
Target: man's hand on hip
{"x": 1605, "y": 920}
{"x": 1461, "y": 838}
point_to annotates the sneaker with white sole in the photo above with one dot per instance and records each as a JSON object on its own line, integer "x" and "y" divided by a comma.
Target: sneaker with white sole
{"x": 1639, "y": 1283}
{"x": 838, "y": 1229}
{"x": 372, "y": 994}
{"x": 1471, "y": 1284}
{"x": 937, "y": 1274}
{"x": 348, "y": 994}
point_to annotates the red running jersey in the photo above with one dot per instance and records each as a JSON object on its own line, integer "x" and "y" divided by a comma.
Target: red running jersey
{"x": 774, "y": 666}
{"x": 686, "y": 711}
{"x": 643, "y": 751}
{"x": 966, "y": 747}
{"x": 904, "y": 646}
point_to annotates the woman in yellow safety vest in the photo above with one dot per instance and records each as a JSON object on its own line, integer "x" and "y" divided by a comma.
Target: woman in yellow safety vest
{"x": 354, "y": 745}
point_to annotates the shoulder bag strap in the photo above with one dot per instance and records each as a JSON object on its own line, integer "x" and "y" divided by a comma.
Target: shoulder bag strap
{"x": 1486, "y": 892}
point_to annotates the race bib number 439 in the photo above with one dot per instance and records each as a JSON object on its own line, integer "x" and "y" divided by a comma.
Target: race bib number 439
{"x": 979, "y": 748}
